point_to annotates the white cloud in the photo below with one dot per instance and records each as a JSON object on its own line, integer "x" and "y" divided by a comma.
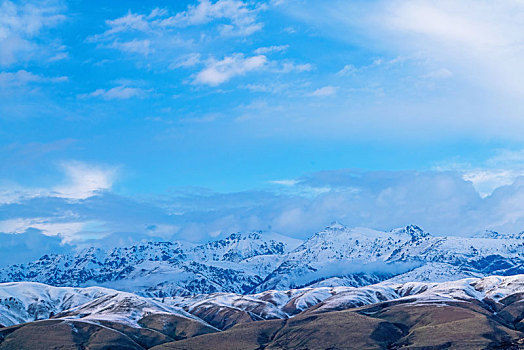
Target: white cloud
{"x": 23, "y": 77}
{"x": 507, "y": 158}
{"x": 81, "y": 181}
{"x": 240, "y": 16}
{"x": 324, "y": 91}
{"x": 13, "y": 193}
{"x": 441, "y": 73}
{"x": 501, "y": 169}
{"x": 218, "y": 72}
{"x": 158, "y": 31}
{"x": 21, "y": 27}
{"x": 85, "y": 180}
{"x": 140, "y": 35}
{"x": 488, "y": 180}
{"x": 285, "y": 182}
{"x": 348, "y": 69}
{"x": 48, "y": 226}
{"x": 271, "y": 49}
{"x": 449, "y": 20}
{"x": 158, "y": 37}
{"x": 132, "y": 22}
{"x": 258, "y": 87}
{"x": 482, "y": 39}
{"x": 288, "y": 67}
{"x": 20, "y": 77}
{"x": 186, "y": 61}
{"x": 121, "y": 92}
{"x": 65, "y": 227}
{"x": 142, "y": 47}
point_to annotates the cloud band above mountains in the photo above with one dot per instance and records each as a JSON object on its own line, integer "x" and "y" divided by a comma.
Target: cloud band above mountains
{"x": 89, "y": 212}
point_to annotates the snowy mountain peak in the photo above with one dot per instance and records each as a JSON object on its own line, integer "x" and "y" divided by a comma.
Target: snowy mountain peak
{"x": 335, "y": 225}
{"x": 488, "y": 234}
{"x": 497, "y": 235}
{"x": 239, "y": 236}
{"x": 413, "y": 230}
{"x": 260, "y": 261}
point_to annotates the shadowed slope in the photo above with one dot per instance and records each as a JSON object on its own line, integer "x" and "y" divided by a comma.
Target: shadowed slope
{"x": 389, "y": 325}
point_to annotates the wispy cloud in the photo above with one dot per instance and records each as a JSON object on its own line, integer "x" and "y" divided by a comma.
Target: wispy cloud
{"x": 241, "y": 17}
{"x": 285, "y": 182}
{"x": 289, "y": 67}
{"x": 441, "y": 73}
{"x": 142, "y": 47}
{"x": 481, "y": 40}
{"x": 467, "y": 53}
{"x": 348, "y": 69}
{"x": 23, "y": 77}
{"x": 324, "y": 91}
{"x": 271, "y": 49}
{"x": 186, "y": 61}
{"x": 218, "y": 72}
{"x": 146, "y": 33}
{"x": 132, "y": 22}
{"x": 81, "y": 181}
{"x": 187, "y": 39}
{"x": 48, "y": 226}
{"x": 121, "y": 92}
{"x": 21, "y": 26}
{"x": 351, "y": 69}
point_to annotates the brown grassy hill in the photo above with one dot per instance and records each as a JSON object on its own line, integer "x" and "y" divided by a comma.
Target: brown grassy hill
{"x": 388, "y": 325}
{"x": 382, "y": 326}
{"x": 98, "y": 335}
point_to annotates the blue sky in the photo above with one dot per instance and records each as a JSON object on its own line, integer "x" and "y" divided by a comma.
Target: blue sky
{"x": 204, "y": 107}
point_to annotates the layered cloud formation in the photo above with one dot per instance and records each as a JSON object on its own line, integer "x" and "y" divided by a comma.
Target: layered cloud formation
{"x": 85, "y": 211}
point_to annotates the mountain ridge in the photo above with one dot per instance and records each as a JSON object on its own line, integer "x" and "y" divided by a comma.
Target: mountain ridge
{"x": 256, "y": 261}
{"x": 468, "y": 313}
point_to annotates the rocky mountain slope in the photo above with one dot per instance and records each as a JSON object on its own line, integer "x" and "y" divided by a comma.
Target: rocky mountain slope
{"x": 256, "y": 262}
{"x": 470, "y": 313}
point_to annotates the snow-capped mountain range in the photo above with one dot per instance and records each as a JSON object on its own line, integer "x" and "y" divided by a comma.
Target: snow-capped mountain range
{"x": 258, "y": 262}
